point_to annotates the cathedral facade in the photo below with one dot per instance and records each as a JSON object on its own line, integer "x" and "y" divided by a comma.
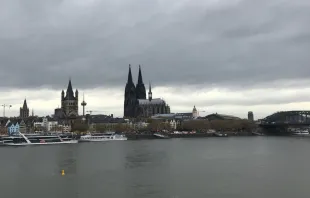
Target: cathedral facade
{"x": 70, "y": 102}
{"x": 136, "y": 105}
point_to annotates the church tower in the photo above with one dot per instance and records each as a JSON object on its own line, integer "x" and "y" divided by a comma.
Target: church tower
{"x": 195, "y": 112}
{"x": 130, "y": 99}
{"x": 150, "y": 91}
{"x": 140, "y": 88}
{"x": 24, "y": 111}
{"x": 69, "y": 102}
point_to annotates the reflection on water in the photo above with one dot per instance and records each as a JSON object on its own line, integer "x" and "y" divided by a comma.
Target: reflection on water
{"x": 35, "y": 171}
{"x": 145, "y": 156}
{"x": 67, "y": 161}
{"x": 67, "y": 158}
{"x": 212, "y": 167}
{"x": 145, "y": 165}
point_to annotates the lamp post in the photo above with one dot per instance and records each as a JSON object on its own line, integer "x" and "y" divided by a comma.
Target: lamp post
{"x": 4, "y": 106}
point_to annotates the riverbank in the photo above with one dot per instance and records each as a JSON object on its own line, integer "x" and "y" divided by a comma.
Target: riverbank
{"x": 194, "y": 135}
{"x": 136, "y": 136}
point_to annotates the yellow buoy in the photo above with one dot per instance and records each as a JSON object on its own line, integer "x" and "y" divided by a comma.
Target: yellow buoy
{"x": 63, "y": 172}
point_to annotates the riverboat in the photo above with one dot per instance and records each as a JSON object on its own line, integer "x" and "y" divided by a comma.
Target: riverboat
{"x": 102, "y": 137}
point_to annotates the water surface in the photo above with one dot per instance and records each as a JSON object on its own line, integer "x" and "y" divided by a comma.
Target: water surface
{"x": 233, "y": 167}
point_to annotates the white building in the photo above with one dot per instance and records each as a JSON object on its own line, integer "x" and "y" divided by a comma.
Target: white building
{"x": 46, "y": 125}
{"x": 64, "y": 128}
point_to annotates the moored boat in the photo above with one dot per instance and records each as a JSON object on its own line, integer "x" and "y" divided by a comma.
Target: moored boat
{"x": 304, "y": 132}
{"x": 102, "y": 137}
{"x": 23, "y": 140}
{"x": 161, "y": 136}
{"x": 218, "y": 134}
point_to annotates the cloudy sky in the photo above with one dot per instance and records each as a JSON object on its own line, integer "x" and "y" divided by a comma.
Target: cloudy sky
{"x": 225, "y": 56}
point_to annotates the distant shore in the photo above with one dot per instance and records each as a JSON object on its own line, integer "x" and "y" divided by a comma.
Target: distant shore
{"x": 194, "y": 135}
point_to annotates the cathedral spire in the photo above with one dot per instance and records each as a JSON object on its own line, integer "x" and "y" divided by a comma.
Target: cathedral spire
{"x": 140, "y": 88}
{"x": 140, "y": 81}
{"x": 150, "y": 91}
{"x": 69, "y": 93}
{"x": 129, "y": 80}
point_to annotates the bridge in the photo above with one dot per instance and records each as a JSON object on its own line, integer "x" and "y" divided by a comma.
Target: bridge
{"x": 287, "y": 118}
{"x": 279, "y": 122}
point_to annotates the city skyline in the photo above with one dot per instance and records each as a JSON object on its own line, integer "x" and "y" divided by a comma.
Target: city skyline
{"x": 200, "y": 52}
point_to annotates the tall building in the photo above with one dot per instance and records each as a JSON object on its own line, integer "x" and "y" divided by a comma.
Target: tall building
{"x": 250, "y": 116}
{"x": 70, "y": 102}
{"x": 24, "y": 111}
{"x": 135, "y": 102}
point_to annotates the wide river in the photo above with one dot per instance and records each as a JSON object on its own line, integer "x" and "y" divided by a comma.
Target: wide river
{"x": 234, "y": 167}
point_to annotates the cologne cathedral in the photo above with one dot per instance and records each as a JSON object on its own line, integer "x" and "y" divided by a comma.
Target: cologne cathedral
{"x": 136, "y": 105}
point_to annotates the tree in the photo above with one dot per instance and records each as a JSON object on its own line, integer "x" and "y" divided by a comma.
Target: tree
{"x": 79, "y": 127}
{"x": 121, "y": 127}
{"x": 199, "y": 125}
{"x": 154, "y": 125}
{"x": 164, "y": 126}
{"x": 216, "y": 124}
{"x": 102, "y": 127}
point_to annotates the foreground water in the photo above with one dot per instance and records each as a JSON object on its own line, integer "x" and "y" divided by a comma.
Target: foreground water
{"x": 236, "y": 167}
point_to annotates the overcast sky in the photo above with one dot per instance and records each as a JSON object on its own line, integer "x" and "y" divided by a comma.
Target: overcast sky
{"x": 225, "y": 56}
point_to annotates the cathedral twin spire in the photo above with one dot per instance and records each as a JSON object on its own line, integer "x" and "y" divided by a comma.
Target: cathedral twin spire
{"x": 129, "y": 79}
{"x": 140, "y": 88}
{"x": 140, "y": 81}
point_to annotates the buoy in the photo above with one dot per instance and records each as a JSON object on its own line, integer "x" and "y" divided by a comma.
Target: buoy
{"x": 63, "y": 172}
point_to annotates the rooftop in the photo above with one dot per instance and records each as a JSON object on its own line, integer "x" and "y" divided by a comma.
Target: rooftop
{"x": 153, "y": 101}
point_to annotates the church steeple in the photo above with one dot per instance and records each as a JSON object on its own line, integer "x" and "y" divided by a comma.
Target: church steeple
{"x": 140, "y": 88}
{"x": 70, "y": 102}
{"x": 24, "y": 111}
{"x": 129, "y": 79}
{"x": 150, "y": 91}
{"x": 69, "y": 93}
{"x": 140, "y": 81}
{"x": 25, "y": 104}
{"x": 130, "y": 98}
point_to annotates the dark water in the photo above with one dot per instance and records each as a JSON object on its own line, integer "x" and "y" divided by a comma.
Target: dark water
{"x": 249, "y": 167}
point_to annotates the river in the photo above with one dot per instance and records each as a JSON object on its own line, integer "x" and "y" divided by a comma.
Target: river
{"x": 234, "y": 167}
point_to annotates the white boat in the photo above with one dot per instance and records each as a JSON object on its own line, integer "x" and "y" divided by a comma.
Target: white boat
{"x": 304, "y": 132}
{"x": 161, "y": 136}
{"x": 218, "y": 134}
{"x": 22, "y": 140}
{"x": 101, "y": 137}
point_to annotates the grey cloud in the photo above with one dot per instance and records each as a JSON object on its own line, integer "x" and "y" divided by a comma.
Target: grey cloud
{"x": 251, "y": 100}
{"x": 244, "y": 44}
